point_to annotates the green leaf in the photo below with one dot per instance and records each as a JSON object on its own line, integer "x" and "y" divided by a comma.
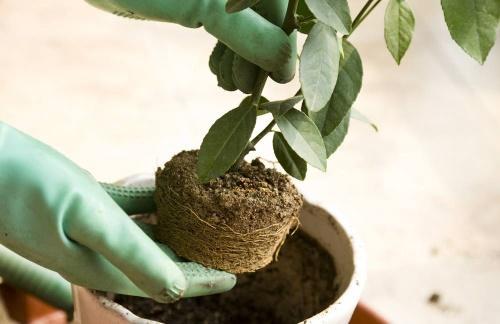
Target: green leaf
{"x": 319, "y": 66}
{"x": 334, "y": 13}
{"x": 261, "y": 112}
{"x": 303, "y": 137}
{"x": 247, "y": 101}
{"x": 333, "y": 119}
{"x": 303, "y": 10}
{"x": 398, "y": 29}
{"x": 293, "y": 164}
{"x": 337, "y": 136}
{"x": 306, "y": 26}
{"x": 238, "y": 5}
{"x": 216, "y": 57}
{"x": 225, "y": 141}
{"x": 225, "y": 75}
{"x": 305, "y": 18}
{"x": 356, "y": 114}
{"x": 340, "y": 42}
{"x": 282, "y": 106}
{"x": 244, "y": 74}
{"x": 472, "y": 24}
{"x": 346, "y": 91}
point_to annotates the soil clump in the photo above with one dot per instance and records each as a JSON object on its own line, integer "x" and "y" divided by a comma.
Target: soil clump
{"x": 235, "y": 223}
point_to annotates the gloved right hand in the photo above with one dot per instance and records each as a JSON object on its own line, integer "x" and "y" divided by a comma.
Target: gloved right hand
{"x": 57, "y": 215}
{"x": 245, "y": 32}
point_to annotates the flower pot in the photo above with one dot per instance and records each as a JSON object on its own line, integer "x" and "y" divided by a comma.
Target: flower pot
{"x": 364, "y": 315}
{"x": 325, "y": 225}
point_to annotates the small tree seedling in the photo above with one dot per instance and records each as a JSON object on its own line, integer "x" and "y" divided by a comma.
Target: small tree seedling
{"x": 223, "y": 212}
{"x": 330, "y": 73}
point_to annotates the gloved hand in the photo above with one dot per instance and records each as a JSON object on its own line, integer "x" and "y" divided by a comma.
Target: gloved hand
{"x": 55, "y": 214}
{"x": 246, "y": 32}
{"x": 30, "y": 277}
{"x": 235, "y": 72}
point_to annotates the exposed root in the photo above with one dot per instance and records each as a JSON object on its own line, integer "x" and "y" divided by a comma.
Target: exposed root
{"x": 186, "y": 226}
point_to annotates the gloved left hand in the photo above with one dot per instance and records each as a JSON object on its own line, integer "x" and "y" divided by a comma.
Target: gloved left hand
{"x": 55, "y": 214}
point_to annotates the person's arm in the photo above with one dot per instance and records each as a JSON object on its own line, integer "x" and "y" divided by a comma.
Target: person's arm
{"x": 247, "y": 33}
{"x": 55, "y": 214}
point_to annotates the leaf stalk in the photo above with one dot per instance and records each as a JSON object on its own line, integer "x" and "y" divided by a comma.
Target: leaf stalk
{"x": 289, "y": 25}
{"x": 363, "y": 13}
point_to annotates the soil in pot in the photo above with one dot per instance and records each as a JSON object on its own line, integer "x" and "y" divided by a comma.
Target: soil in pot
{"x": 234, "y": 223}
{"x": 293, "y": 288}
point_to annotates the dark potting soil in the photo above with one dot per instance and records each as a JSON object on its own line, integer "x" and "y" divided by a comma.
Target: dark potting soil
{"x": 292, "y": 289}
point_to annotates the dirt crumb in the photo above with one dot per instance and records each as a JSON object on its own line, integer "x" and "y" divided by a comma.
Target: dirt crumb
{"x": 434, "y": 298}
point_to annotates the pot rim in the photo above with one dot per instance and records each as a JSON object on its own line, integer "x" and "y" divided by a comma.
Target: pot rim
{"x": 352, "y": 293}
{"x": 344, "y": 303}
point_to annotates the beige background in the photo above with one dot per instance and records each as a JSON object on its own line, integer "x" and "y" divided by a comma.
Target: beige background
{"x": 120, "y": 97}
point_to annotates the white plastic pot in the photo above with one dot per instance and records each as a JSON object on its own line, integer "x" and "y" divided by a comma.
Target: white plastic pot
{"x": 327, "y": 226}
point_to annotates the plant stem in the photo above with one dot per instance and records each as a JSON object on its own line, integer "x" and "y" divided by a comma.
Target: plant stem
{"x": 259, "y": 87}
{"x": 306, "y": 20}
{"x": 364, "y": 12}
{"x": 361, "y": 13}
{"x": 263, "y": 133}
{"x": 289, "y": 24}
{"x": 369, "y": 11}
{"x": 268, "y": 128}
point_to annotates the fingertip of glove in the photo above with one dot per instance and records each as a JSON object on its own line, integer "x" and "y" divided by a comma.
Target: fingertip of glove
{"x": 205, "y": 281}
{"x": 282, "y": 56}
{"x": 283, "y": 76}
{"x": 174, "y": 290}
{"x": 286, "y": 72}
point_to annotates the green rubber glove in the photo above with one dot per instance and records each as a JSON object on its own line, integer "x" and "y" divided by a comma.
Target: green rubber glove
{"x": 246, "y": 32}
{"x": 43, "y": 283}
{"x": 55, "y": 214}
{"x": 235, "y": 72}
